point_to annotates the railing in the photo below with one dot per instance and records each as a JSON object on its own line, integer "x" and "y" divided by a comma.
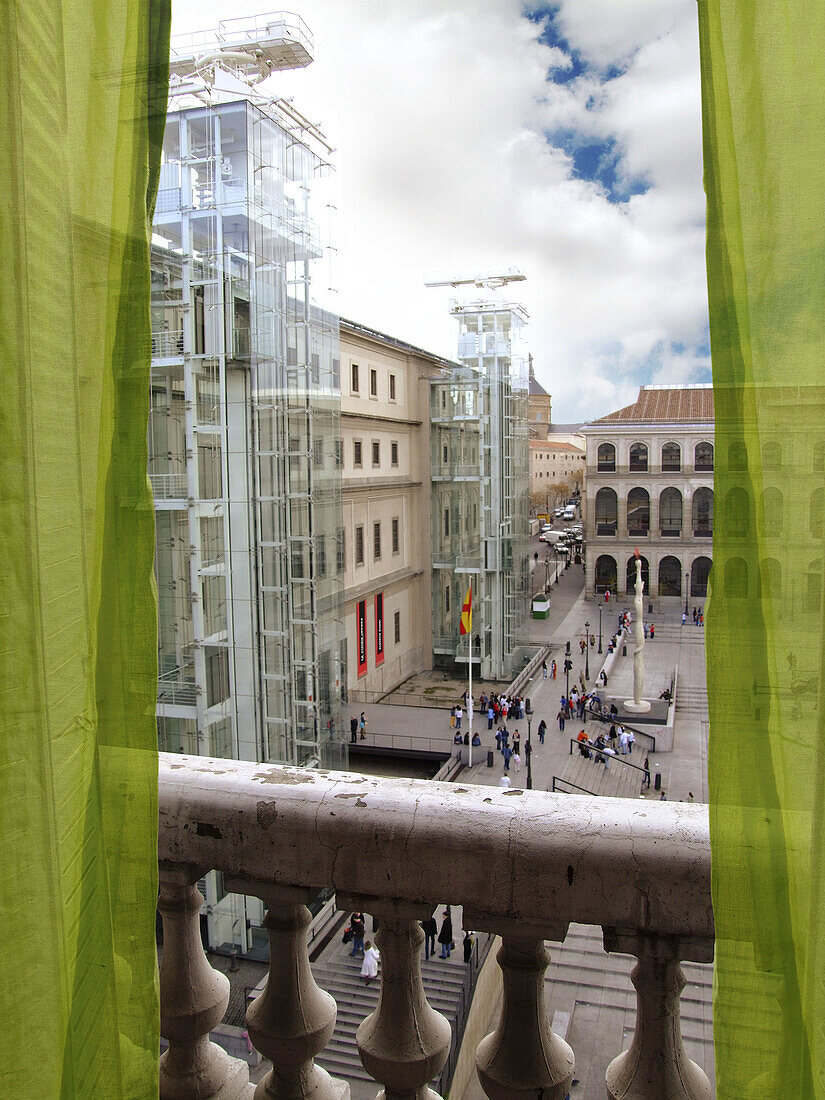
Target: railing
{"x": 166, "y": 345}
{"x": 177, "y": 690}
{"x": 393, "y": 848}
{"x": 169, "y": 486}
{"x": 468, "y": 985}
{"x": 590, "y": 746}
{"x": 609, "y": 719}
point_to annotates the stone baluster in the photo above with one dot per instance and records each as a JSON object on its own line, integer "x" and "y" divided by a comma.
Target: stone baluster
{"x": 404, "y": 1043}
{"x": 193, "y": 999}
{"x": 656, "y": 1067}
{"x": 293, "y": 1019}
{"x": 523, "y": 1057}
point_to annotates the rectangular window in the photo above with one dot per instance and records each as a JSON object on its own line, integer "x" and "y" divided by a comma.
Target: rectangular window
{"x": 373, "y": 383}
{"x": 394, "y": 452}
{"x": 217, "y": 675}
{"x": 392, "y": 387}
{"x": 395, "y": 535}
{"x": 315, "y": 368}
{"x": 354, "y": 381}
{"x": 339, "y": 453}
{"x": 376, "y": 541}
{"x": 340, "y": 551}
{"x": 321, "y": 554}
{"x": 397, "y": 627}
{"x": 445, "y": 454}
{"x": 317, "y": 452}
{"x": 359, "y": 545}
{"x": 336, "y": 374}
{"x": 376, "y": 453}
{"x": 446, "y": 523}
{"x": 357, "y": 454}
{"x": 447, "y": 600}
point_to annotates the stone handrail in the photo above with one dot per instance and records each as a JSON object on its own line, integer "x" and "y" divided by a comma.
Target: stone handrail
{"x": 522, "y": 864}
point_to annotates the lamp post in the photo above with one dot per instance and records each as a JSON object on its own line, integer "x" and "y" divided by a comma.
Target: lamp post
{"x": 528, "y": 752}
{"x": 687, "y": 582}
{"x": 567, "y": 666}
{"x": 600, "y": 628}
{"x": 587, "y": 651}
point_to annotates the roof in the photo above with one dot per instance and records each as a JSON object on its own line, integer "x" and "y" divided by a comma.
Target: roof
{"x": 666, "y": 404}
{"x": 552, "y": 445}
{"x": 357, "y": 329}
{"x": 536, "y": 388}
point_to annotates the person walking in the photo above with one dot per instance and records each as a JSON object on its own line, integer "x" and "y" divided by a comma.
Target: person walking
{"x": 631, "y": 739}
{"x": 623, "y": 741}
{"x": 560, "y": 717}
{"x": 517, "y": 760}
{"x": 445, "y": 936}
{"x": 362, "y": 726}
{"x": 608, "y": 752}
{"x": 553, "y": 669}
{"x": 516, "y": 741}
{"x": 356, "y": 923}
{"x": 542, "y": 730}
{"x": 467, "y": 944}
{"x": 369, "y": 967}
{"x": 430, "y": 928}
{"x": 504, "y": 781}
{"x": 684, "y": 618}
{"x": 507, "y": 752}
{"x": 544, "y": 670}
{"x": 459, "y": 714}
{"x": 652, "y": 631}
{"x": 646, "y": 776}
{"x": 491, "y": 717}
{"x": 498, "y": 740}
{"x": 452, "y": 717}
{"x": 353, "y": 729}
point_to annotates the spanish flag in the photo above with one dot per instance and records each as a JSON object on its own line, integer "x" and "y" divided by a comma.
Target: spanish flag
{"x": 466, "y": 624}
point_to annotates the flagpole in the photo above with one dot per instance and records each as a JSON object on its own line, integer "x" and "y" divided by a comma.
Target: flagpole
{"x": 470, "y": 692}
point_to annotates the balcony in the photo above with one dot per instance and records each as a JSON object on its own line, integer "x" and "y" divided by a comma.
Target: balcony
{"x": 393, "y": 848}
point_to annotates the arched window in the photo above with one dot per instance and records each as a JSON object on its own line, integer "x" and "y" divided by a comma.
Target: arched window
{"x": 670, "y": 576}
{"x": 606, "y": 573}
{"x": 699, "y": 574}
{"x": 737, "y": 514}
{"x": 703, "y": 457}
{"x": 607, "y": 512}
{"x": 736, "y": 579}
{"x": 737, "y": 456}
{"x": 631, "y": 575}
{"x": 770, "y": 578}
{"x": 606, "y": 458}
{"x": 671, "y": 458}
{"x": 817, "y": 516}
{"x": 638, "y": 458}
{"x": 771, "y": 456}
{"x": 638, "y": 512}
{"x": 670, "y": 513}
{"x": 773, "y": 509}
{"x": 703, "y": 513}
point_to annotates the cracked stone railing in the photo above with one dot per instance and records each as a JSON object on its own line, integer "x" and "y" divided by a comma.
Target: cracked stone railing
{"x": 523, "y": 864}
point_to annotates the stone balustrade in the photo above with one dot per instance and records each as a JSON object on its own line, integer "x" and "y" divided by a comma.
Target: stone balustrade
{"x": 523, "y": 865}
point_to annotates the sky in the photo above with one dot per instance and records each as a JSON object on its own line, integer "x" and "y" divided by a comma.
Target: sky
{"x": 475, "y": 136}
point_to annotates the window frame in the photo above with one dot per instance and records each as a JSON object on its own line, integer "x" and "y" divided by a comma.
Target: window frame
{"x": 376, "y": 453}
{"x": 373, "y": 382}
{"x": 358, "y": 454}
{"x": 354, "y": 379}
{"x": 376, "y": 540}
{"x": 359, "y": 544}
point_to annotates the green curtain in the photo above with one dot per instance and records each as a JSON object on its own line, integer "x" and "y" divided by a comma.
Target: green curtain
{"x": 763, "y": 91}
{"x": 82, "y": 109}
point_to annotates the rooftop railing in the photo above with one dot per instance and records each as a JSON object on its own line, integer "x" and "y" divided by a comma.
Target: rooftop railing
{"x": 523, "y": 865}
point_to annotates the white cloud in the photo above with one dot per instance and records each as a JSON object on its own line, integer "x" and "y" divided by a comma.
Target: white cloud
{"x": 439, "y": 110}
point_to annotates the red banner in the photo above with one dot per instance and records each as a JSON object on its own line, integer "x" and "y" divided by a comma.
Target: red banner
{"x": 361, "y": 626}
{"x": 379, "y": 628}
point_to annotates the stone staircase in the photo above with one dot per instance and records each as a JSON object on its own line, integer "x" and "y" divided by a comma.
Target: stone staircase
{"x": 620, "y": 780}
{"x": 339, "y": 974}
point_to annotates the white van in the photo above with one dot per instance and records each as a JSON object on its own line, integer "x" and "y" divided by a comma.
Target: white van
{"x": 570, "y": 511}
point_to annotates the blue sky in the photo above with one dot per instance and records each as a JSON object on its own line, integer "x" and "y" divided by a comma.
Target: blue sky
{"x": 476, "y": 135}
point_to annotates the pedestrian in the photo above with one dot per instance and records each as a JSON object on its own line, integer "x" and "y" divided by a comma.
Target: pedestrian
{"x": 646, "y": 776}
{"x": 369, "y": 967}
{"x": 517, "y": 760}
{"x": 430, "y": 928}
{"x": 560, "y": 717}
{"x": 582, "y": 645}
{"x": 353, "y": 729}
{"x": 553, "y": 669}
{"x": 684, "y": 618}
{"x": 645, "y": 629}
{"x": 459, "y": 714}
{"x": 362, "y": 726}
{"x": 507, "y": 752}
{"x": 542, "y": 730}
{"x": 498, "y": 740}
{"x": 491, "y": 717}
{"x": 607, "y": 595}
{"x": 445, "y": 936}
{"x": 701, "y": 618}
{"x": 631, "y": 738}
{"x": 544, "y": 670}
{"x": 452, "y": 717}
{"x": 469, "y": 939}
{"x": 652, "y": 631}
{"x": 504, "y": 781}
{"x": 516, "y": 741}
{"x": 623, "y": 741}
{"x": 608, "y": 752}
{"x": 356, "y": 923}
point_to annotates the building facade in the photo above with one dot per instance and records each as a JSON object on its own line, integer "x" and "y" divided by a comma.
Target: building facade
{"x": 480, "y": 496}
{"x": 556, "y": 469}
{"x": 244, "y": 434}
{"x": 650, "y": 485}
{"x": 539, "y": 405}
{"x": 385, "y": 427}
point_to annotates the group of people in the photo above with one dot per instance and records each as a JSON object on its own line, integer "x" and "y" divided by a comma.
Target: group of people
{"x": 606, "y": 745}
{"x": 510, "y": 753}
{"x": 370, "y": 954}
{"x": 357, "y": 726}
{"x": 499, "y": 708}
{"x": 698, "y": 617}
{"x": 577, "y": 704}
{"x": 553, "y": 669}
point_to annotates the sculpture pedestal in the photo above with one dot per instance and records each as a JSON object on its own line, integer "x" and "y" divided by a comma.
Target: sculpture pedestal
{"x": 637, "y": 708}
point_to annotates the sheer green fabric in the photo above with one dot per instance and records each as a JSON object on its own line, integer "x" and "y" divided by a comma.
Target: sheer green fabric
{"x": 764, "y": 116}
{"x": 82, "y": 107}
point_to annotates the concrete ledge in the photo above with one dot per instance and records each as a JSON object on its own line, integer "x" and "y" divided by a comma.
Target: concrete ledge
{"x": 526, "y": 856}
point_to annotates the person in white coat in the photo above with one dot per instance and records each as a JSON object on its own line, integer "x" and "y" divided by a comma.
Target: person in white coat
{"x": 369, "y": 967}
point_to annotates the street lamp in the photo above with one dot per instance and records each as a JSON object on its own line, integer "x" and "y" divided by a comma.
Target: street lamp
{"x": 528, "y": 752}
{"x": 587, "y": 651}
{"x": 568, "y": 664}
{"x": 687, "y": 581}
{"x": 600, "y": 628}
